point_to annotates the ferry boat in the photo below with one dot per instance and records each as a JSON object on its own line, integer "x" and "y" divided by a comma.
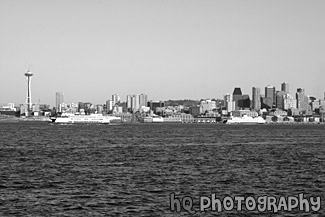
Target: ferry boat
{"x": 245, "y": 120}
{"x": 157, "y": 119}
{"x": 88, "y": 119}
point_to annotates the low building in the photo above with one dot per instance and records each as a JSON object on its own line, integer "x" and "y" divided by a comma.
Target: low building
{"x": 241, "y": 113}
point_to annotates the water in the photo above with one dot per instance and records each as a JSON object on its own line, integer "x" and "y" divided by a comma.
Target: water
{"x": 131, "y": 170}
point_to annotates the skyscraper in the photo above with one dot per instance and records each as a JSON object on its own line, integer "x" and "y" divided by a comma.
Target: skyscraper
{"x": 270, "y": 96}
{"x": 280, "y": 99}
{"x": 129, "y": 101}
{"x": 59, "y": 101}
{"x": 229, "y": 103}
{"x": 143, "y": 100}
{"x": 256, "y": 101}
{"x": 245, "y": 102}
{"x": 136, "y": 103}
{"x": 237, "y": 96}
{"x": 285, "y": 87}
{"x": 133, "y": 102}
{"x": 115, "y": 98}
{"x": 302, "y": 100}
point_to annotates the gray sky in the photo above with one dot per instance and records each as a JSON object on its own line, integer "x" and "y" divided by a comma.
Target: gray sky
{"x": 172, "y": 49}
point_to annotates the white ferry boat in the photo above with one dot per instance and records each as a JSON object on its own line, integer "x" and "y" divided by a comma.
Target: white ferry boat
{"x": 157, "y": 119}
{"x": 88, "y": 119}
{"x": 245, "y": 120}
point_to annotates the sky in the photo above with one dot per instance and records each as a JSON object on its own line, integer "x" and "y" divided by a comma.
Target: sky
{"x": 167, "y": 49}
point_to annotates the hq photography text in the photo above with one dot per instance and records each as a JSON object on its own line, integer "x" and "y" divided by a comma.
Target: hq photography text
{"x": 263, "y": 203}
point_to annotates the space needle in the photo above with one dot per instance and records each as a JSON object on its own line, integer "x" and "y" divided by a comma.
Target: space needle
{"x": 29, "y": 75}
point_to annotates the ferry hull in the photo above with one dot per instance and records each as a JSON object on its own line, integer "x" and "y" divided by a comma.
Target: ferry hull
{"x": 85, "y": 119}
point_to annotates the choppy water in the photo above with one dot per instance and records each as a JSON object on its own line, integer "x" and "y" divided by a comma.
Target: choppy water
{"x": 130, "y": 170}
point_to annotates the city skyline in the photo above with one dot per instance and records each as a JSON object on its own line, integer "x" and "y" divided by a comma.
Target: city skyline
{"x": 166, "y": 49}
{"x": 284, "y": 88}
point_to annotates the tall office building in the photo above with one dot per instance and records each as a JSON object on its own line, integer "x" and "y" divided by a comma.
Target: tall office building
{"x": 302, "y": 100}
{"x": 270, "y": 96}
{"x": 59, "y": 101}
{"x": 237, "y": 96}
{"x": 280, "y": 99}
{"x": 136, "y": 103}
{"x": 143, "y": 100}
{"x": 245, "y": 102}
{"x": 133, "y": 102}
{"x": 256, "y": 101}
{"x": 229, "y": 103}
{"x": 109, "y": 105}
{"x": 116, "y": 98}
{"x": 289, "y": 102}
{"x": 129, "y": 101}
{"x": 285, "y": 87}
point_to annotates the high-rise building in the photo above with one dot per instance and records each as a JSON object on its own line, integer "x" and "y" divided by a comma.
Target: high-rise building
{"x": 237, "y": 96}
{"x": 270, "y": 96}
{"x": 289, "y": 102}
{"x": 302, "y": 100}
{"x": 136, "y": 103}
{"x": 285, "y": 87}
{"x": 115, "y": 98}
{"x": 129, "y": 101}
{"x": 245, "y": 102}
{"x": 133, "y": 102}
{"x": 280, "y": 100}
{"x": 109, "y": 106}
{"x": 229, "y": 103}
{"x": 256, "y": 101}
{"x": 143, "y": 100}
{"x": 59, "y": 101}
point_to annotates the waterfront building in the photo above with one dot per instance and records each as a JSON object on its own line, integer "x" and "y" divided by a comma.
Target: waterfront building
{"x": 322, "y": 109}
{"x": 256, "y": 98}
{"x": 99, "y": 108}
{"x": 7, "y": 107}
{"x": 207, "y": 106}
{"x": 240, "y": 113}
{"x": 278, "y": 112}
{"x": 195, "y": 110}
{"x": 285, "y": 87}
{"x": 155, "y": 104}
